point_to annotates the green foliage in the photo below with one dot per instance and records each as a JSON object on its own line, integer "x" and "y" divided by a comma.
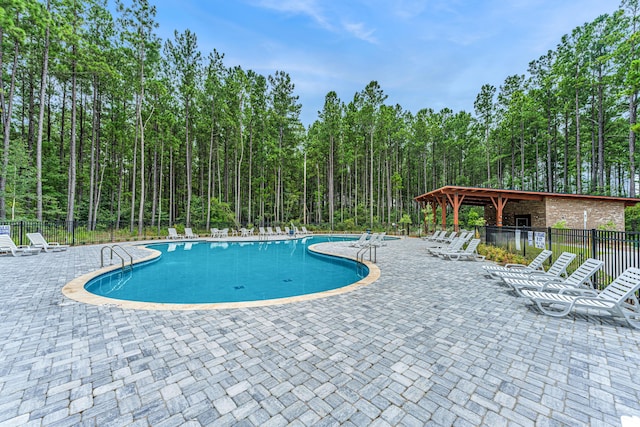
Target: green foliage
{"x": 608, "y": 226}
{"x": 560, "y": 225}
{"x": 225, "y": 143}
{"x": 500, "y": 255}
{"x": 221, "y": 213}
{"x": 632, "y": 218}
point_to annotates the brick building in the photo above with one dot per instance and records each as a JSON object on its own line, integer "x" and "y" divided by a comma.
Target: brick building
{"x": 530, "y": 208}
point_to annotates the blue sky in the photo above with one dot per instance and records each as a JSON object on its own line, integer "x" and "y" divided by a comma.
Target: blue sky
{"x": 424, "y": 54}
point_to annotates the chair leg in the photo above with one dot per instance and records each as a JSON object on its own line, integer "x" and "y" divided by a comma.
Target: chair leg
{"x": 555, "y": 309}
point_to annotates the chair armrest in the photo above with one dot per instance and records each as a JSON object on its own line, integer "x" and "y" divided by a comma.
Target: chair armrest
{"x": 515, "y": 265}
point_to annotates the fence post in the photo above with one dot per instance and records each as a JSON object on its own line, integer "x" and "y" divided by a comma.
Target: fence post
{"x": 550, "y": 242}
{"x": 21, "y": 232}
{"x": 73, "y": 232}
{"x": 594, "y": 236}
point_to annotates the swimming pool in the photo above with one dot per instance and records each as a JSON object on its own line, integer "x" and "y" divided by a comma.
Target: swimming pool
{"x": 202, "y": 272}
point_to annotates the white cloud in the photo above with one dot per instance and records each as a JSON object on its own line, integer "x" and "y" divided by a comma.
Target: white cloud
{"x": 358, "y": 30}
{"x": 308, "y": 8}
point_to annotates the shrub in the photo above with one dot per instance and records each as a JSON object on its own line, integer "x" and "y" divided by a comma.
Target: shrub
{"x": 500, "y": 255}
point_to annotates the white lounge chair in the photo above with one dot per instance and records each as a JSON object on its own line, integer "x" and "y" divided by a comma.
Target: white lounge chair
{"x": 188, "y": 233}
{"x": 558, "y": 269}
{"x": 536, "y": 264}
{"x": 378, "y": 240}
{"x": 619, "y": 298}
{"x": 8, "y": 246}
{"x": 466, "y": 235}
{"x": 432, "y": 236}
{"x": 173, "y": 234}
{"x": 215, "y": 232}
{"x": 305, "y": 231}
{"x": 270, "y": 232}
{"x": 449, "y": 238}
{"x": 360, "y": 242}
{"x": 455, "y": 245}
{"x": 579, "y": 279}
{"x": 223, "y": 233}
{"x": 38, "y": 241}
{"x": 279, "y": 231}
{"x": 437, "y": 236}
{"x": 470, "y": 252}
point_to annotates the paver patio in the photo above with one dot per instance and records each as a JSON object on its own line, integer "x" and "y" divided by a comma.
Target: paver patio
{"x": 432, "y": 342}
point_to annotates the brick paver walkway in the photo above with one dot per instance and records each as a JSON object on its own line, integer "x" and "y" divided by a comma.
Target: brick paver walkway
{"x": 432, "y": 342}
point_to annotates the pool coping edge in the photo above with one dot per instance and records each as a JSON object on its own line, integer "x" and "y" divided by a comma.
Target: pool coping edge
{"x": 75, "y": 289}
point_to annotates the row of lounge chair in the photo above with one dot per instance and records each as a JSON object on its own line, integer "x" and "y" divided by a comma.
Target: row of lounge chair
{"x": 243, "y": 232}
{"x": 557, "y": 294}
{"x": 38, "y": 244}
{"x": 455, "y": 248}
{"x": 369, "y": 239}
{"x": 269, "y": 231}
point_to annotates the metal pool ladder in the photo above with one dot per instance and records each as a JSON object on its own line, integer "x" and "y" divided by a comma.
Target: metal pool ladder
{"x": 362, "y": 251}
{"x": 112, "y": 250}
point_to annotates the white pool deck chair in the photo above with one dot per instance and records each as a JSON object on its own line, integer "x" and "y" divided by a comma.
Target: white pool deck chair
{"x": 38, "y": 241}
{"x": 224, "y": 232}
{"x": 305, "y": 231}
{"x": 450, "y": 237}
{"x": 579, "y": 279}
{"x": 470, "y": 252}
{"x": 557, "y": 270}
{"x": 173, "y": 234}
{"x": 8, "y": 246}
{"x": 431, "y": 236}
{"x": 378, "y": 240}
{"x": 455, "y": 245}
{"x": 279, "y": 231}
{"x": 360, "y": 242}
{"x": 189, "y": 234}
{"x": 536, "y": 264}
{"x": 370, "y": 241}
{"x": 270, "y": 232}
{"x": 437, "y": 235}
{"x": 618, "y": 299}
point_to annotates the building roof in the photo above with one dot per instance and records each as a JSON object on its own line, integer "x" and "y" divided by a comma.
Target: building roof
{"x": 483, "y": 196}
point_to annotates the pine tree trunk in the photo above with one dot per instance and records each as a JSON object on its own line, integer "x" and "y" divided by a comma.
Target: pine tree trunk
{"x": 71, "y": 189}
{"x": 6, "y": 106}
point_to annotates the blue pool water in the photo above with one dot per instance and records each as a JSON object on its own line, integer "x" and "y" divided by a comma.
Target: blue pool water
{"x": 206, "y": 272}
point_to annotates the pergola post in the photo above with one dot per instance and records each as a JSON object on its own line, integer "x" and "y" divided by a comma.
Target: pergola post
{"x": 434, "y": 208}
{"x": 455, "y": 203}
{"x": 499, "y": 205}
{"x": 443, "y": 205}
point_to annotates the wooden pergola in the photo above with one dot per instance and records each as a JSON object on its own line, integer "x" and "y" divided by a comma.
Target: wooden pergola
{"x": 457, "y": 196}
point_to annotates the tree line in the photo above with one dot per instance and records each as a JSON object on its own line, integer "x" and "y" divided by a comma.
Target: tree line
{"x": 102, "y": 121}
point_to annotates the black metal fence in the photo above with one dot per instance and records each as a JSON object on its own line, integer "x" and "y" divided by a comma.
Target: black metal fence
{"x": 617, "y": 249}
{"x": 83, "y": 233}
